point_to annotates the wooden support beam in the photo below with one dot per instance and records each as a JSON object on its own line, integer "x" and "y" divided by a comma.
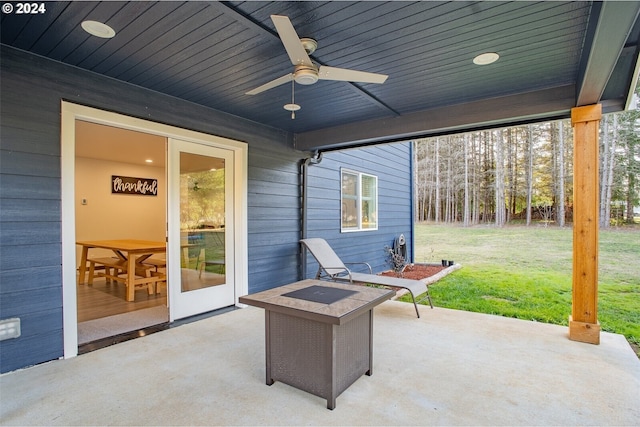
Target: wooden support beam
{"x": 583, "y": 322}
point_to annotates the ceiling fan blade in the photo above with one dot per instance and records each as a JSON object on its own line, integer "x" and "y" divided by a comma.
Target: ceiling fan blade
{"x": 343, "y": 74}
{"x": 273, "y": 83}
{"x": 291, "y": 41}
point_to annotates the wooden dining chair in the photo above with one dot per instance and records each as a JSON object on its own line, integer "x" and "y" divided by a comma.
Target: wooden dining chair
{"x": 112, "y": 268}
{"x": 157, "y": 264}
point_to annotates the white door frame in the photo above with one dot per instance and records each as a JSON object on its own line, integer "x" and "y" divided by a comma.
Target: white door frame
{"x": 71, "y": 113}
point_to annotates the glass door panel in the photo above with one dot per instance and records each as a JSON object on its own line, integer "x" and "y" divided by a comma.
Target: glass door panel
{"x": 202, "y": 221}
{"x": 201, "y": 204}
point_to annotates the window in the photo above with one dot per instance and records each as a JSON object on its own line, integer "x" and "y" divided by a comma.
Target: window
{"x": 359, "y": 201}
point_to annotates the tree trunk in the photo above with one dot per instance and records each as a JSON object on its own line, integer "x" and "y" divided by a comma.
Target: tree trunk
{"x": 608, "y": 149}
{"x": 529, "y": 172}
{"x": 514, "y": 204}
{"x": 448, "y": 192}
{"x": 604, "y": 156}
{"x": 466, "y": 214}
{"x": 476, "y": 187}
{"x": 608, "y": 164}
{"x": 612, "y": 164}
{"x": 499, "y": 180}
{"x": 437, "y": 185}
{"x": 561, "y": 208}
{"x": 417, "y": 185}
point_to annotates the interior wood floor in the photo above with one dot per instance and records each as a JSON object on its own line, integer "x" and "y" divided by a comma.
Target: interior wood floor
{"x": 104, "y": 299}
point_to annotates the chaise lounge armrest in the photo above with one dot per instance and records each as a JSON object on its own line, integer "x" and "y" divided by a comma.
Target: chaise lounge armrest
{"x": 326, "y": 257}
{"x": 361, "y": 263}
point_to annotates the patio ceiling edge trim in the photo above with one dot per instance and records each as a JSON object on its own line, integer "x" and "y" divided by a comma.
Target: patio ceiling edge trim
{"x": 550, "y": 103}
{"x": 605, "y": 41}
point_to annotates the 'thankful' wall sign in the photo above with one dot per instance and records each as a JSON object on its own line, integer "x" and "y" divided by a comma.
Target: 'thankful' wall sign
{"x": 131, "y": 185}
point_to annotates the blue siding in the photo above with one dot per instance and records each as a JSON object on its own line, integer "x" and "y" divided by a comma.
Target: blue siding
{"x": 30, "y": 218}
{"x": 30, "y": 198}
{"x": 274, "y": 220}
{"x": 392, "y": 165}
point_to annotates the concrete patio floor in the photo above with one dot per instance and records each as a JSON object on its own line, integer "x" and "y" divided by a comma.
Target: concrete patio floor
{"x": 447, "y": 368}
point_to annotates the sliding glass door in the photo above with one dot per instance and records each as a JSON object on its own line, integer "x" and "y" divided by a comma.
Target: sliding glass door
{"x": 201, "y": 228}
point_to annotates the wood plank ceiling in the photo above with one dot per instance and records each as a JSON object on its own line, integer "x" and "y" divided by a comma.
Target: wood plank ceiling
{"x": 553, "y": 55}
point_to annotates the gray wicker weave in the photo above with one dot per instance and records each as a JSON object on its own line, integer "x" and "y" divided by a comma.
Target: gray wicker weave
{"x": 316, "y": 347}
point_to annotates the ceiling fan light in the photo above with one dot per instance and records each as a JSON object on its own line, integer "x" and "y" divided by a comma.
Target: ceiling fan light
{"x": 305, "y": 76}
{"x": 486, "y": 58}
{"x": 292, "y": 107}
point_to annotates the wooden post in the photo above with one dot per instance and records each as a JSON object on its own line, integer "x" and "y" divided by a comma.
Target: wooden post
{"x": 583, "y": 322}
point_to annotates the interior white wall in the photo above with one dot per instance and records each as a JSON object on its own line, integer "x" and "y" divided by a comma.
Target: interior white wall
{"x": 117, "y": 216}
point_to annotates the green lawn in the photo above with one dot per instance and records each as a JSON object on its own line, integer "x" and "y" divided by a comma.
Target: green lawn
{"x": 525, "y": 272}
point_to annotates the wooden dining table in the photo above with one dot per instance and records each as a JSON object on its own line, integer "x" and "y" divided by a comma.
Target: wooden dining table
{"x": 132, "y": 251}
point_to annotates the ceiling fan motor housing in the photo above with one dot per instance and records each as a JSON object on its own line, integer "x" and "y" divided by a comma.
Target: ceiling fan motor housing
{"x": 305, "y": 75}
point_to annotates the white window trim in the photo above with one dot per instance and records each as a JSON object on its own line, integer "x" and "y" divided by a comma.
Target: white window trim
{"x": 358, "y": 202}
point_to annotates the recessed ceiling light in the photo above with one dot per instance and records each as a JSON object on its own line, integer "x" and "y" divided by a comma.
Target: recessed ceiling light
{"x": 486, "y": 58}
{"x": 98, "y": 29}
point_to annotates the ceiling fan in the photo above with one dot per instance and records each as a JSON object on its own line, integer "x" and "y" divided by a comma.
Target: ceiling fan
{"x": 305, "y": 72}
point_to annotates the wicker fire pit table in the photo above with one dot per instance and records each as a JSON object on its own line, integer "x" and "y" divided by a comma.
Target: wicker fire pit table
{"x": 319, "y": 335}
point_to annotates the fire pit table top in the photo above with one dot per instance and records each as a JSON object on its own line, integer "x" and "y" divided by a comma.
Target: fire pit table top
{"x": 322, "y": 301}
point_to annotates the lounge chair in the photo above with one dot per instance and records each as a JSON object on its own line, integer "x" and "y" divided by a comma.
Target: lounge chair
{"x": 331, "y": 267}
